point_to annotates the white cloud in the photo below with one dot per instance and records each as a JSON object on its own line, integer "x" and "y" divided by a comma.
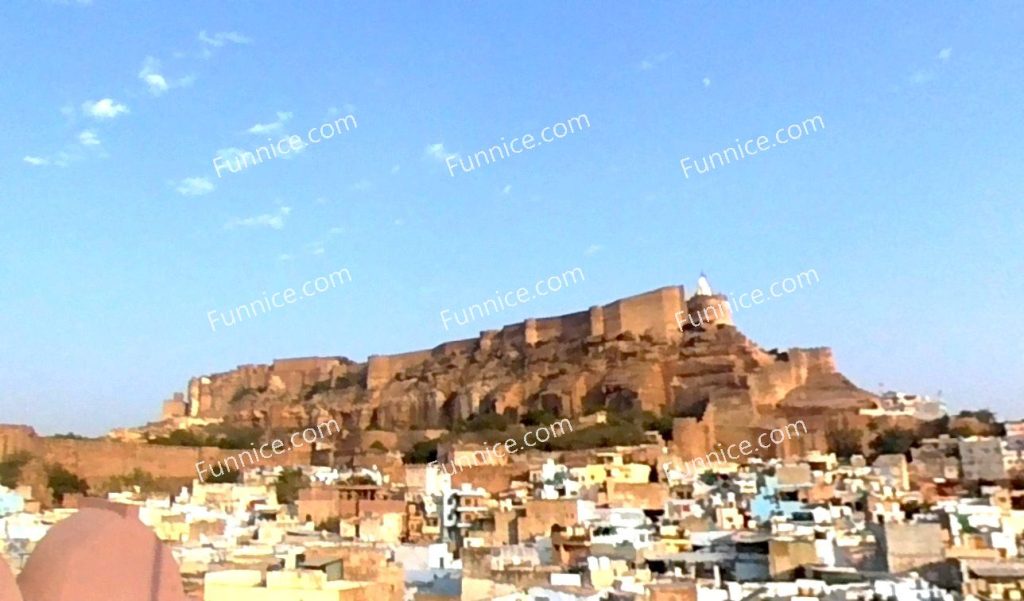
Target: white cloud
{"x": 88, "y": 138}
{"x": 945, "y": 53}
{"x": 335, "y": 231}
{"x": 106, "y": 108}
{"x": 707, "y": 82}
{"x": 272, "y": 127}
{"x": 316, "y": 248}
{"x": 150, "y": 74}
{"x": 284, "y": 257}
{"x": 71, "y": 153}
{"x": 271, "y": 220}
{"x": 61, "y": 159}
{"x": 395, "y": 169}
{"x": 438, "y": 151}
{"x": 195, "y": 186}
{"x": 158, "y": 84}
{"x": 362, "y": 185}
{"x": 593, "y": 249}
{"x": 224, "y": 37}
{"x": 506, "y": 189}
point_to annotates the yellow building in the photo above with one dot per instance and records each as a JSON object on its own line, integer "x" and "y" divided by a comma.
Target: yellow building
{"x": 287, "y": 585}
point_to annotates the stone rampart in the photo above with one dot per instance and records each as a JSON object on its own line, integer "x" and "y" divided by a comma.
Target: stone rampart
{"x": 97, "y": 460}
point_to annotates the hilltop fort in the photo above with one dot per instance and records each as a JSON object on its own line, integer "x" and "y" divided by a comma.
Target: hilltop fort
{"x": 627, "y": 354}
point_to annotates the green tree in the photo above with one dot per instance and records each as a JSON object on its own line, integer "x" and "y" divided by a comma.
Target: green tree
{"x": 224, "y": 437}
{"x": 288, "y": 485}
{"x": 538, "y": 417}
{"x": 62, "y": 482}
{"x": 423, "y": 451}
{"x": 137, "y": 477}
{"x": 596, "y": 437}
{"x": 482, "y": 422}
{"x": 10, "y": 468}
{"x": 894, "y": 441}
{"x": 228, "y": 477}
{"x": 236, "y": 437}
{"x": 70, "y": 436}
{"x": 933, "y": 428}
{"x": 845, "y": 442}
{"x": 180, "y": 438}
{"x": 982, "y": 415}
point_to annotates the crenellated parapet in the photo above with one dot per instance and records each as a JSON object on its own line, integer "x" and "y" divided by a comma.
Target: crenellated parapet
{"x": 539, "y": 362}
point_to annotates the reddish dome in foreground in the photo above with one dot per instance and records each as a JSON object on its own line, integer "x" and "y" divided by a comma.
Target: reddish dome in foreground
{"x": 8, "y": 587}
{"x": 100, "y": 555}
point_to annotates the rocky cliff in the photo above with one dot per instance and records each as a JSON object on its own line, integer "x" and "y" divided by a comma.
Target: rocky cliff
{"x": 569, "y": 366}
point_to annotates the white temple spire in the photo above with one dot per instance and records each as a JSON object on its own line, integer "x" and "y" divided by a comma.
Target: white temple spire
{"x": 703, "y": 287}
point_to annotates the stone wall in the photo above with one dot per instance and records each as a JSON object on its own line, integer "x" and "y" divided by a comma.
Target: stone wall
{"x": 560, "y": 364}
{"x": 792, "y": 369}
{"x": 16, "y": 439}
{"x": 689, "y": 437}
{"x": 543, "y": 514}
{"x": 381, "y": 369}
{"x": 97, "y": 460}
{"x": 650, "y": 312}
{"x": 210, "y": 396}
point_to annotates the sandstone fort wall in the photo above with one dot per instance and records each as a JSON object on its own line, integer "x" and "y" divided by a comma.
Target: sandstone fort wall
{"x": 650, "y": 312}
{"x": 97, "y": 460}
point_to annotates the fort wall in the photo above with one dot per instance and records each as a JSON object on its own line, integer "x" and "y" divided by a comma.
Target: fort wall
{"x": 382, "y": 368}
{"x": 97, "y": 460}
{"x": 775, "y": 380}
{"x": 458, "y": 347}
{"x": 16, "y": 439}
{"x": 651, "y": 313}
{"x": 572, "y": 326}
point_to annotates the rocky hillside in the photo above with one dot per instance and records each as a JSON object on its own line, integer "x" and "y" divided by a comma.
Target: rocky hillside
{"x": 680, "y": 375}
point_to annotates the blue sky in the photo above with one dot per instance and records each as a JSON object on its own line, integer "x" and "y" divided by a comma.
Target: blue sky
{"x": 118, "y": 237}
